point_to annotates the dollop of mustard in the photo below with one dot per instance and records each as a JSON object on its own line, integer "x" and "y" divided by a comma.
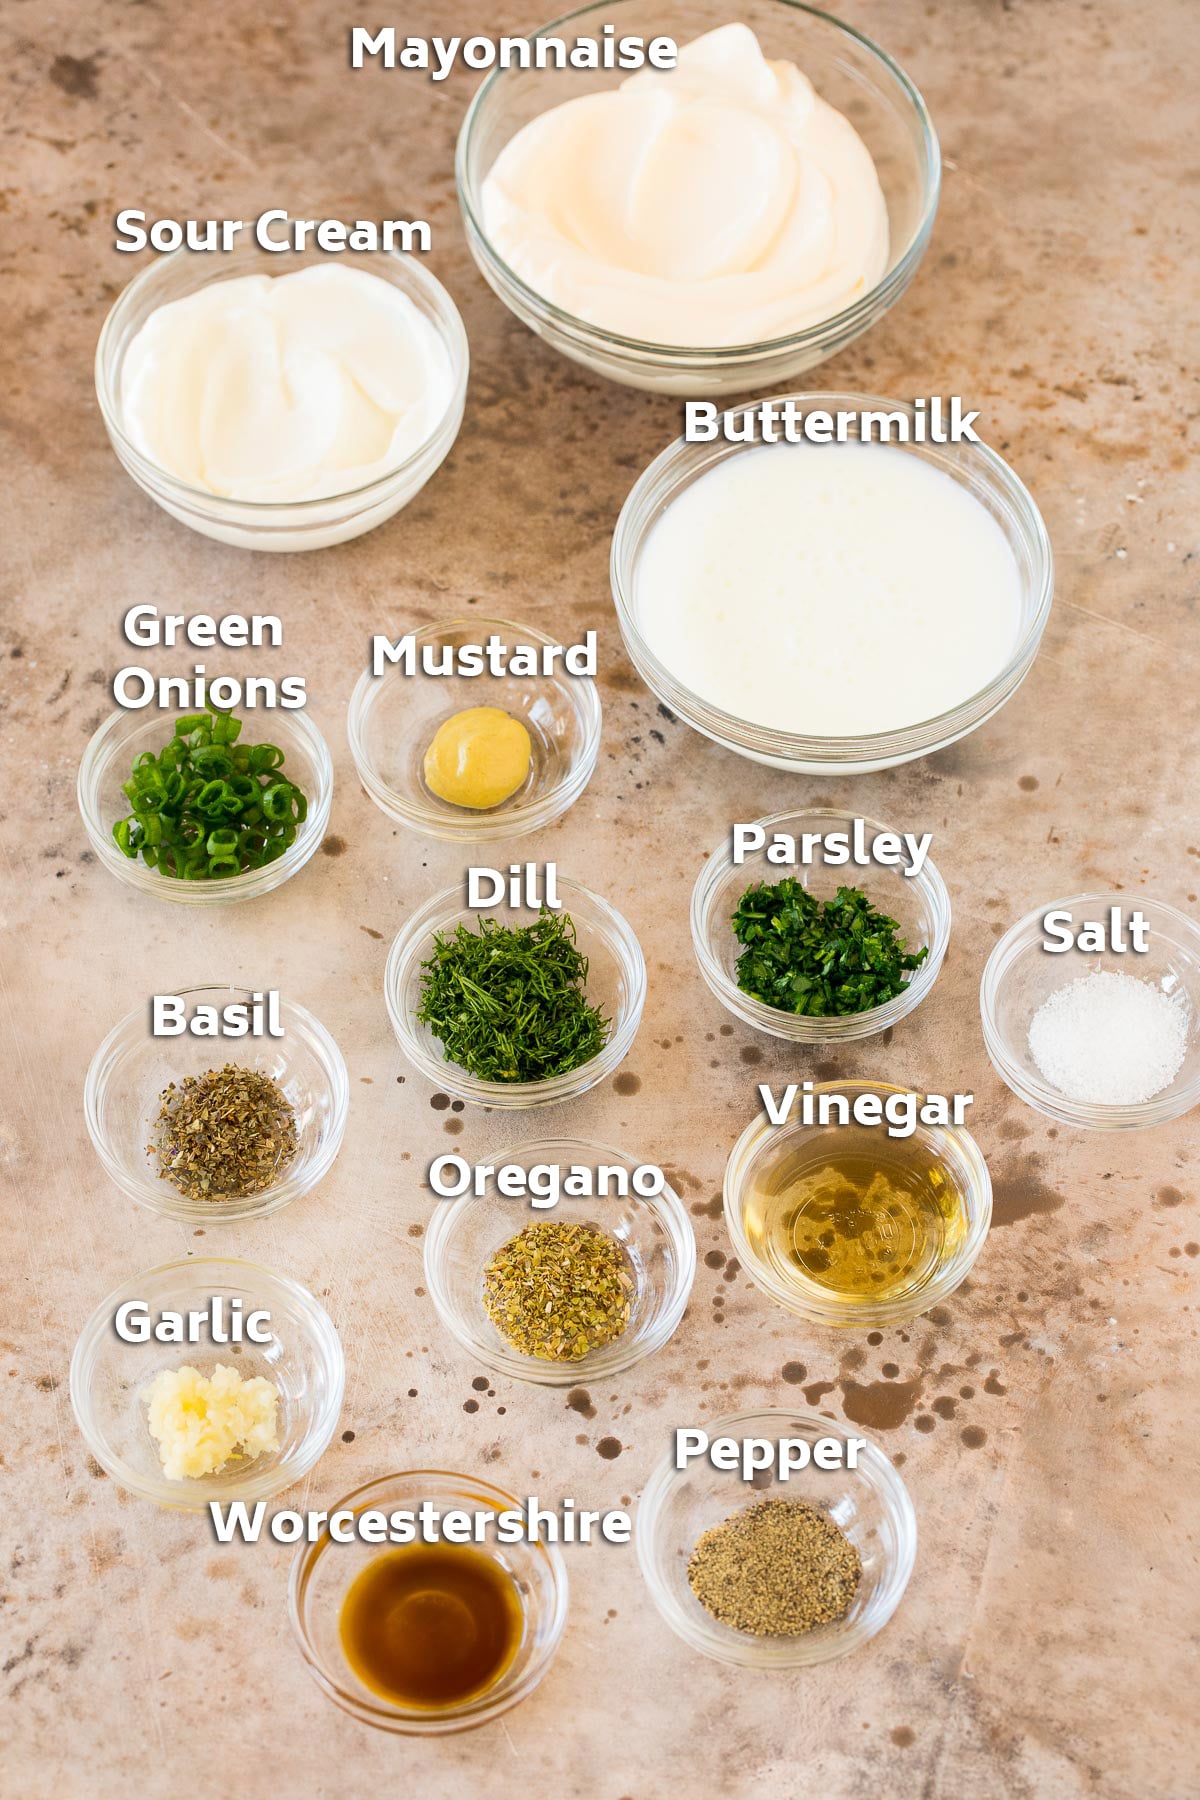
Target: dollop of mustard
{"x": 478, "y": 758}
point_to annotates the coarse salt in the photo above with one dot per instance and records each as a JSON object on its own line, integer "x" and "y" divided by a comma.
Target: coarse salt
{"x": 1109, "y": 1040}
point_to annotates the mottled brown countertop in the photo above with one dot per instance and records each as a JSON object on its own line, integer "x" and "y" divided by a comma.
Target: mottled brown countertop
{"x": 1041, "y": 1647}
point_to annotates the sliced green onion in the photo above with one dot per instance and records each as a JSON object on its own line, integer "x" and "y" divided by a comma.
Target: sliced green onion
{"x": 264, "y": 757}
{"x": 207, "y": 807}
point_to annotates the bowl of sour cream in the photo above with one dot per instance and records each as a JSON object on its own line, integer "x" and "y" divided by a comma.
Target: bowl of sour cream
{"x": 284, "y": 401}
{"x": 835, "y": 607}
{"x": 706, "y": 220}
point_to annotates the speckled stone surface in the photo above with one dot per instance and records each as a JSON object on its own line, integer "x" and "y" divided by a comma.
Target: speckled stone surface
{"x": 1048, "y": 1417}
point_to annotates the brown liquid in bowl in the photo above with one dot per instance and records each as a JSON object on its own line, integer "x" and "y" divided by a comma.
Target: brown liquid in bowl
{"x": 431, "y": 1625}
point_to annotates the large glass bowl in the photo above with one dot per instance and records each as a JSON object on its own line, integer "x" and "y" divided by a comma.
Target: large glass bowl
{"x": 920, "y": 905}
{"x": 870, "y": 1504}
{"x": 850, "y": 72}
{"x": 303, "y": 1358}
{"x": 116, "y": 746}
{"x": 269, "y": 525}
{"x": 322, "y": 1573}
{"x": 616, "y": 982}
{"x": 1020, "y": 976}
{"x": 654, "y": 1231}
{"x": 393, "y": 717}
{"x": 131, "y": 1069}
{"x": 984, "y": 474}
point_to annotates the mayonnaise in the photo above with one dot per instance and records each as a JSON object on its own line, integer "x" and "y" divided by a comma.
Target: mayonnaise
{"x": 833, "y": 590}
{"x": 288, "y": 387}
{"x": 720, "y": 203}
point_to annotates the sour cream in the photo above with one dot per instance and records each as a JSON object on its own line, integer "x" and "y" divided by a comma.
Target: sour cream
{"x": 721, "y": 203}
{"x": 831, "y": 590}
{"x": 288, "y": 387}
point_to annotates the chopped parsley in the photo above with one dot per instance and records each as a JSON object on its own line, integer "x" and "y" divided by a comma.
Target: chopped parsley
{"x": 819, "y": 958}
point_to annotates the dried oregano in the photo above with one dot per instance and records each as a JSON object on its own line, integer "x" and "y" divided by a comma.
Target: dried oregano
{"x": 775, "y": 1569}
{"x": 558, "y": 1290}
{"x": 224, "y": 1135}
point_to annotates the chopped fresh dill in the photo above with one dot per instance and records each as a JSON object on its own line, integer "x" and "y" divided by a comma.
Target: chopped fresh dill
{"x": 509, "y": 1003}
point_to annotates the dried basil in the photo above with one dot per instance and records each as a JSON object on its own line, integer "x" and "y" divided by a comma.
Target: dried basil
{"x": 224, "y": 1135}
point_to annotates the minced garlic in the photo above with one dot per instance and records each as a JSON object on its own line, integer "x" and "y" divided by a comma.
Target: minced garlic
{"x": 200, "y": 1422}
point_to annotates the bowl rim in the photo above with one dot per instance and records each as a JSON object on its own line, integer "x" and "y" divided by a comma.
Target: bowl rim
{"x": 834, "y": 1312}
{"x": 666, "y": 1206}
{"x": 846, "y": 323}
{"x": 157, "y": 1196}
{"x": 375, "y": 1710}
{"x": 450, "y": 329}
{"x": 173, "y": 1494}
{"x": 921, "y": 737}
{"x": 722, "y": 1643}
{"x": 494, "y": 822}
{"x": 801, "y": 1028}
{"x": 104, "y": 744}
{"x": 1031, "y": 1086}
{"x": 512, "y": 1095}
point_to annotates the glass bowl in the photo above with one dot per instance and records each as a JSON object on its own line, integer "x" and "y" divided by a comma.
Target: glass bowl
{"x": 1020, "y": 976}
{"x": 847, "y": 70}
{"x": 616, "y": 983}
{"x": 920, "y": 906}
{"x": 870, "y": 1504}
{"x": 760, "y": 1146}
{"x": 266, "y": 525}
{"x": 322, "y": 1572}
{"x": 131, "y": 1068}
{"x": 303, "y": 1358}
{"x": 393, "y": 717}
{"x": 984, "y": 474}
{"x": 116, "y": 746}
{"x": 656, "y": 1234}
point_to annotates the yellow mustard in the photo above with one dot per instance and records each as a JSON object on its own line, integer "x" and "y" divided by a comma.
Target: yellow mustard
{"x": 478, "y": 758}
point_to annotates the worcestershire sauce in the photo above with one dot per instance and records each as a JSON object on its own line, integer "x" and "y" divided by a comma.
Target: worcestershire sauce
{"x": 431, "y": 1625}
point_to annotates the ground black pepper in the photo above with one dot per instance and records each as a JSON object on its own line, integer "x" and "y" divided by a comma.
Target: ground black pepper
{"x": 775, "y": 1569}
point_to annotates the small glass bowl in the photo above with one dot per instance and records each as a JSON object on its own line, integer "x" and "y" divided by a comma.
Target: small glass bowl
{"x": 265, "y": 525}
{"x": 131, "y": 1068}
{"x": 850, "y": 72}
{"x": 109, "y": 759}
{"x": 393, "y": 717}
{"x": 920, "y": 906}
{"x": 759, "y": 1147}
{"x": 322, "y": 1573}
{"x": 984, "y": 474}
{"x": 656, "y": 1234}
{"x": 1020, "y": 976}
{"x": 616, "y": 983}
{"x": 870, "y": 1504}
{"x": 304, "y": 1360}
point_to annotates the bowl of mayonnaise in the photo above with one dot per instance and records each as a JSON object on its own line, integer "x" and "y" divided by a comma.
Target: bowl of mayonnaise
{"x": 695, "y": 203}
